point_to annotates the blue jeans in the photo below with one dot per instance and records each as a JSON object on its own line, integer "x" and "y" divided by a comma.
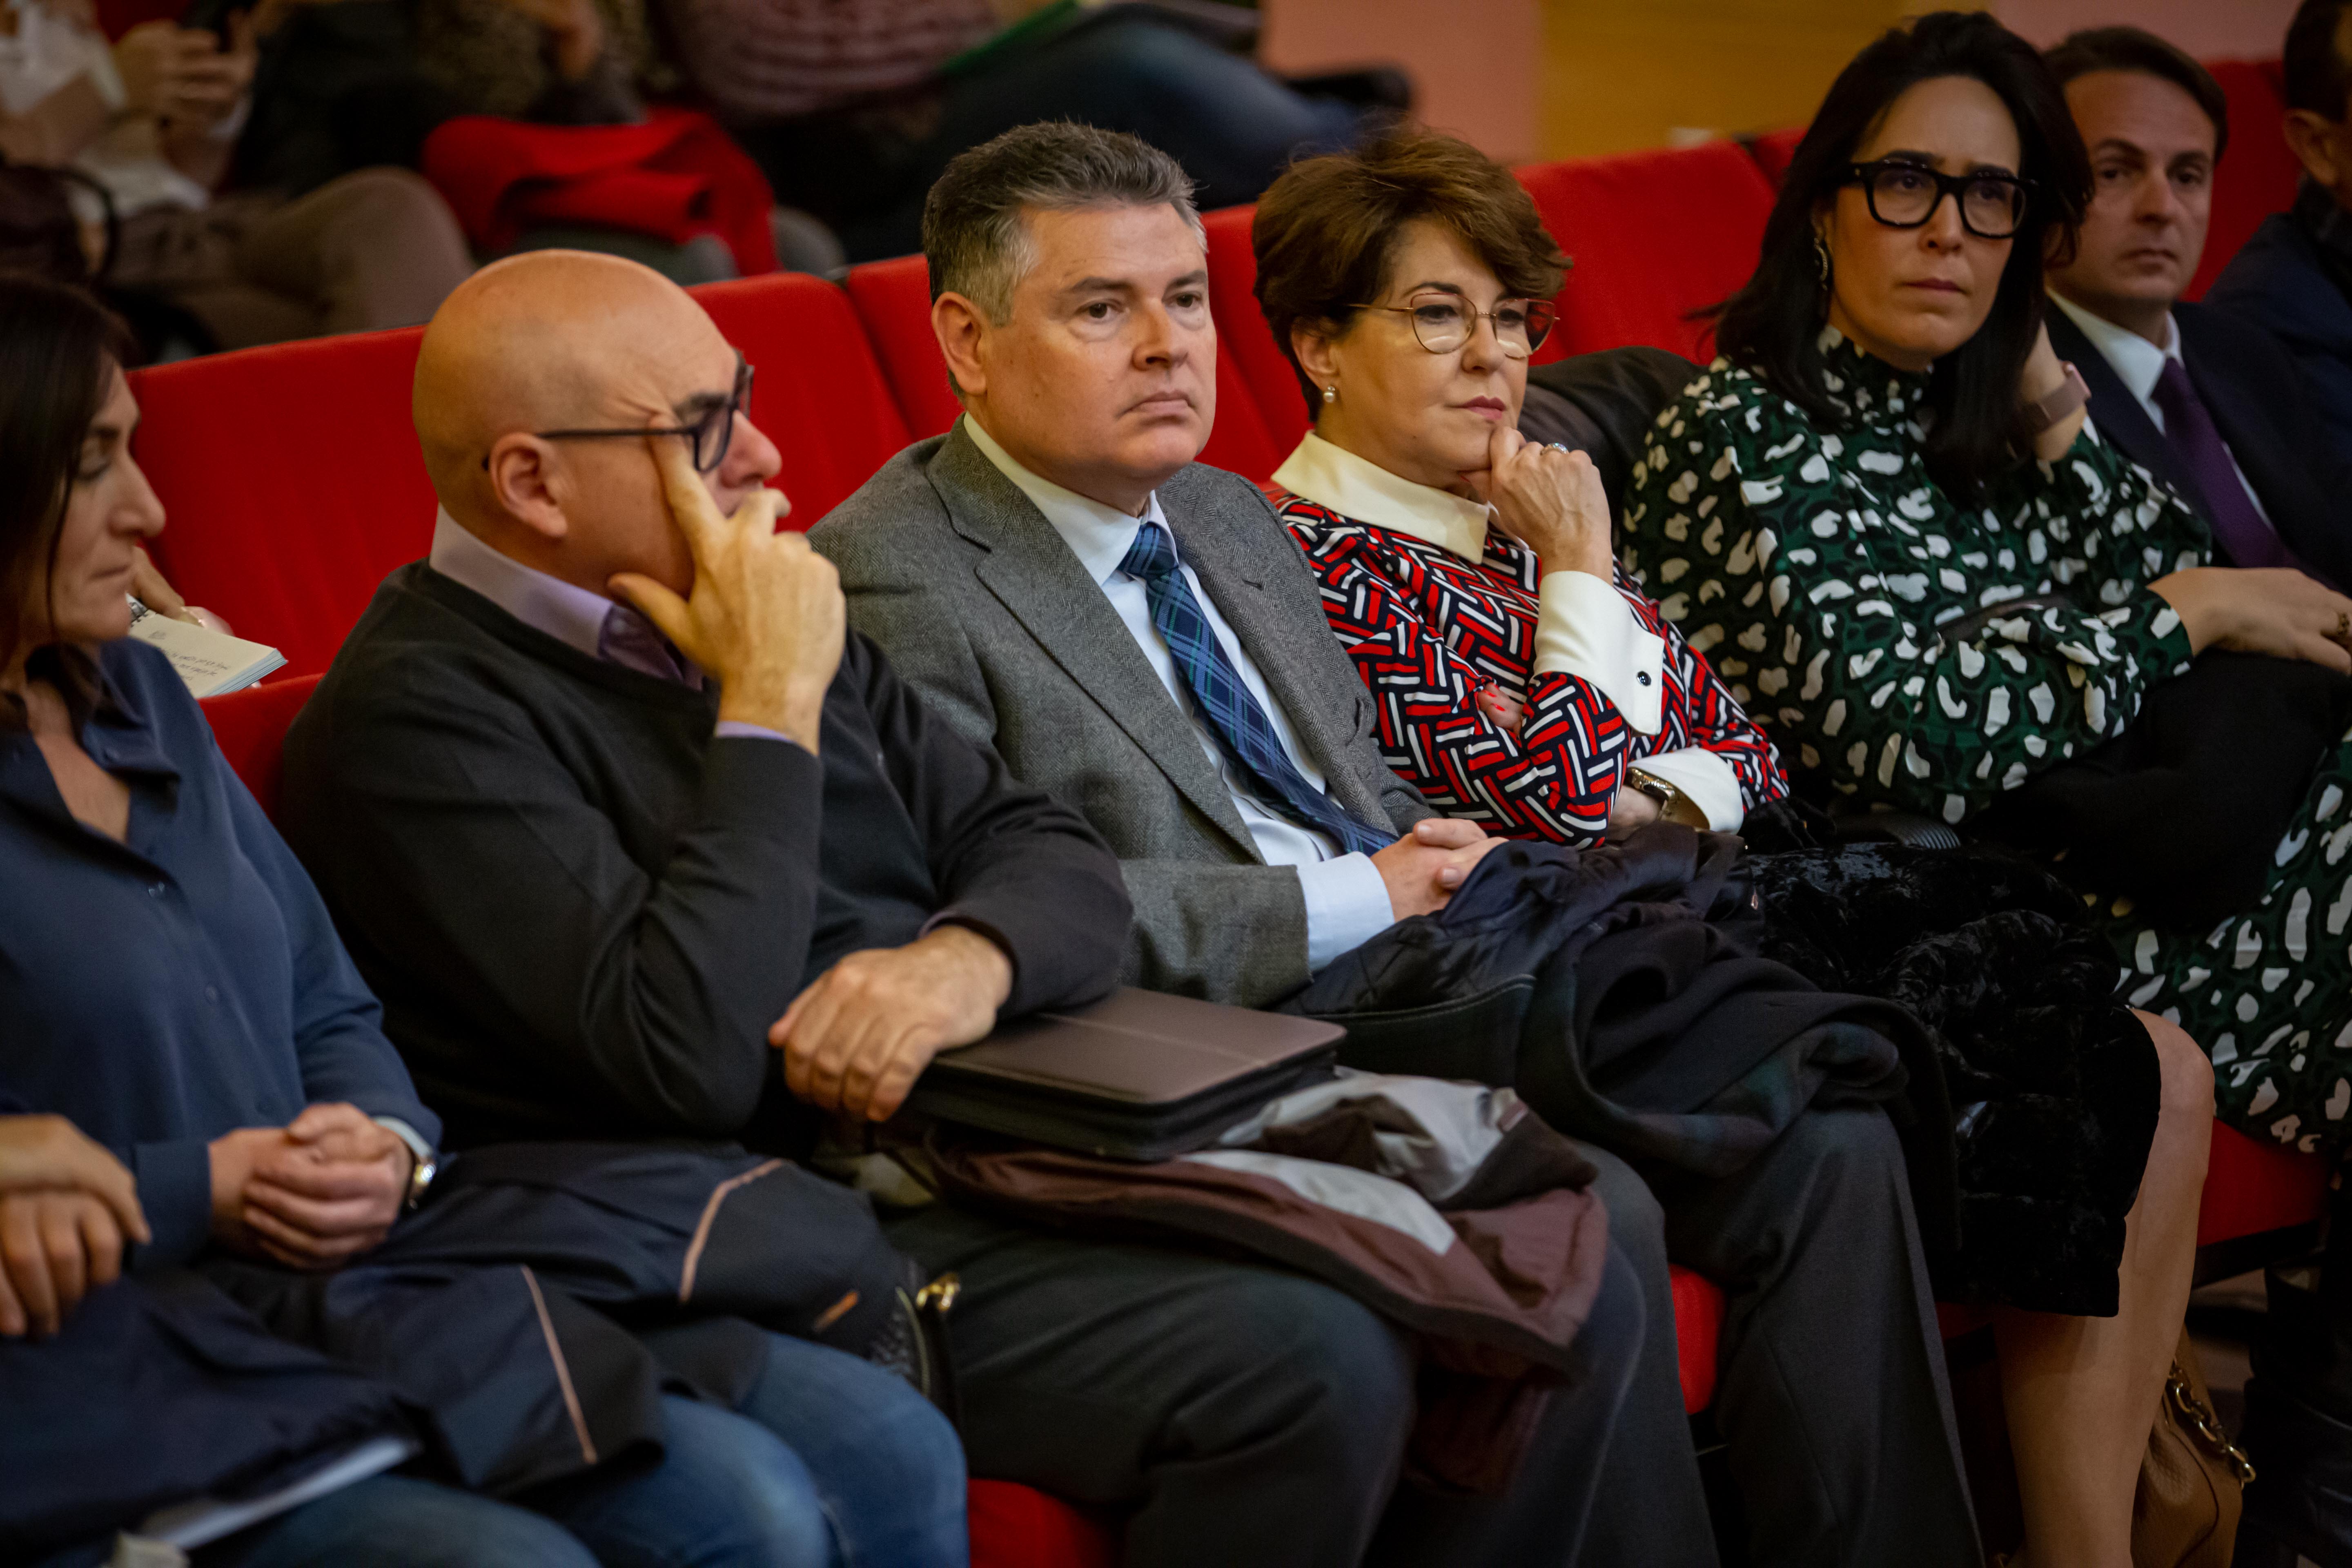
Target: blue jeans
{"x": 393, "y": 1522}
{"x": 831, "y": 1463}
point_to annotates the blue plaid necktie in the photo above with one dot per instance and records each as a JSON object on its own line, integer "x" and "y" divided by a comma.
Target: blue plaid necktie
{"x": 1248, "y": 734}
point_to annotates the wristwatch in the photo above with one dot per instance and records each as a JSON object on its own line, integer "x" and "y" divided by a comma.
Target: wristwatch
{"x": 422, "y": 1166}
{"x": 421, "y": 1173}
{"x": 2067, "y": 396}
{"x": 1674, "y": 805}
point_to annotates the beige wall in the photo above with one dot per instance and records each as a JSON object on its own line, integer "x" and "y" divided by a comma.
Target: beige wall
{"x": 1557, "y": 78}
{"x": 1476, "y": 64}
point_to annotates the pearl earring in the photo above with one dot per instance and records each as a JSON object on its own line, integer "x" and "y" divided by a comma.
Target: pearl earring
{"x": 1331, "y": 394}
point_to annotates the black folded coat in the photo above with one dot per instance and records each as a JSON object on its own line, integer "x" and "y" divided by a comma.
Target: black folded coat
{"x": 2181, "y": 811}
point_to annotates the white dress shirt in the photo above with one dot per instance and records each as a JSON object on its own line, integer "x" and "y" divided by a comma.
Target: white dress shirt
{"x": 564, "y": 610}
{"x": 1347, "y": 903}
{"x": 2137, "y": 364}
{"x": 1584, "y": 627}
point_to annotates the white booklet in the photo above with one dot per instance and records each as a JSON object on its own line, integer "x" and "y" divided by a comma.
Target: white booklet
{"x": 211, "y": 662}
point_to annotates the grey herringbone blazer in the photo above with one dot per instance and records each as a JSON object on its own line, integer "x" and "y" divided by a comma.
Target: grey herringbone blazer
{"x": 981, "y": 606}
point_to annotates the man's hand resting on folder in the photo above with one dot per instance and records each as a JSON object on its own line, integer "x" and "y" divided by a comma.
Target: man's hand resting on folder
{"x": 765, "y": 617}
{"x": 1424, "y": 868}
{"x": 857, "y": 1040}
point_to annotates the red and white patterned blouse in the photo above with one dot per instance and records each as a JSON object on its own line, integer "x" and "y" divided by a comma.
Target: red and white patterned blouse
{"x": 1431, "y": 628}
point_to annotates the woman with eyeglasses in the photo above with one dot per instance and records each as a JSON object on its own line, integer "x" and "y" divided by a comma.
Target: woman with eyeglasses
{"x": 1523, "y": 680}
{"x": 1887, "y": 447}
{"x": 1410, "y": 281}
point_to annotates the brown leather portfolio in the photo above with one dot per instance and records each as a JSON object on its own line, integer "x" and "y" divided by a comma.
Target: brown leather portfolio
{"x": 1139, "y": 1075}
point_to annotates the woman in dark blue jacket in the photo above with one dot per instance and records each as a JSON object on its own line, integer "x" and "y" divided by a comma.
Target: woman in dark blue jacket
{"x": 171, "y": 985}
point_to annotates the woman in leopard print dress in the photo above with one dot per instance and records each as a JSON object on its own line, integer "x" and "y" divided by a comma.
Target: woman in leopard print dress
{"x": 1889, "y": 446}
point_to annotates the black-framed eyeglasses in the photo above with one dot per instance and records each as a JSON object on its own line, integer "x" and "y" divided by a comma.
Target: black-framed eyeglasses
{"x": 712, "y": 434}
{"x": 1905, "y": 193}
{"x": 1444, "y": 322}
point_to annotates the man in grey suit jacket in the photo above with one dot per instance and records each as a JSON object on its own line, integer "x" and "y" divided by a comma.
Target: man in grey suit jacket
{"x": 1138, "y": 634}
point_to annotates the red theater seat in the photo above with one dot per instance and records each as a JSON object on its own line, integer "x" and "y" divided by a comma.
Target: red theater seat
{"x": 894, "y": 299}
{"x": 1244, "y": 339}
{"x": 819, "y": 395}
{"x": 1773, "y": 150}
{"x": 2257, "y": 176}
{"x": 292, "y": 481}
{"x": 2251, "y": 1187}
{"x": 250, "y": 728}
{"x": 1655, "y": 236}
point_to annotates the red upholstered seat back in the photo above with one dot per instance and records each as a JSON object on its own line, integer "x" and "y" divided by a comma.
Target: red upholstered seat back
{"x": 819, "y": 395}
{"x": 1655, "y": 236}
{"x": 894, "y": 299}
{"x": 1243, "y": 338}
{"x": 2257, "y": 174}
{"x": 1773, "y": 150}
{"x": 292, "y": 483}
{"x": 250, "y": 726}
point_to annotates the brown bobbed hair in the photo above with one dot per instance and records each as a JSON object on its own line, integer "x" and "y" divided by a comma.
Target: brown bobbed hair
{"x": 1327, "y": 228}
{"x": 59, "y": 348}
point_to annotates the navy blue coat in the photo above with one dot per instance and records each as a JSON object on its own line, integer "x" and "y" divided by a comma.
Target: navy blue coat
{"x": 164, "y": 991}
{"x": 2278, "y": 281}
{"x": 2252, "y": 384}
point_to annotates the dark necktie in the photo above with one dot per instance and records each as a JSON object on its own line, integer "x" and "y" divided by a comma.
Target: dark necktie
{"x": 628, "y": 639}
{"x": 1249, "y": 735}
{"x": 2238, "y": 527}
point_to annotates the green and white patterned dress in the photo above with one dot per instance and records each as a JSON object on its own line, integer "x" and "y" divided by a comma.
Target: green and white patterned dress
{"x": 1814, "y": 564}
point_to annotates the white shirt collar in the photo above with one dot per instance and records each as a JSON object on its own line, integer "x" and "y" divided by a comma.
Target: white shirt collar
{"x": 2137, "y": 362}
{"x": 565, "y": 612}
{"x": 1363, "y": 492}
{"x": 1098, "y": 535}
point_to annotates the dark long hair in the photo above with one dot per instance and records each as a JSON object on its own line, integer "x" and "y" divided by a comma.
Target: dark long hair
{"x": 1978, "y": 427}
{"x": 59, "y": 348}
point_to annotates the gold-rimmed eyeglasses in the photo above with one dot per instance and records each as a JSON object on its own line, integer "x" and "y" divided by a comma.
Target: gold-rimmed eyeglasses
{"x": 1444, "y": 322}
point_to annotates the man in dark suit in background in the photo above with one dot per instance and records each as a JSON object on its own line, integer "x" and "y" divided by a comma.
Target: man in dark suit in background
{"x": 2294, "y": 275}
{"x": 2209, "y": 402}
{"x": 2268, "y": 468}
{"x": 1137, "y": 634}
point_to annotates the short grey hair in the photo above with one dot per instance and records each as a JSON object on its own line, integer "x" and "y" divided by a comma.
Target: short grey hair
{"x": 973, "y": 235}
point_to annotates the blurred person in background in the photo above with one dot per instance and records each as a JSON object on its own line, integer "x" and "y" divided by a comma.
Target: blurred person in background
{"x": 153, "y": 122}
{"x": 2294, "y": 275}
{"x": 854, "y": 107}
{"x": 2208, "y": 402}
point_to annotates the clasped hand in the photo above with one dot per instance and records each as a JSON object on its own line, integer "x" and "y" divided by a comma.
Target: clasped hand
{"x": 1424, "y": 866}
{"x": 856, "y": 1040}
{"x": 314, "y": 1193}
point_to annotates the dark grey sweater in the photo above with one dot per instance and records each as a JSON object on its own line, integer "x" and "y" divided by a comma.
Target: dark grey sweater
{"x": 582, "y": 911}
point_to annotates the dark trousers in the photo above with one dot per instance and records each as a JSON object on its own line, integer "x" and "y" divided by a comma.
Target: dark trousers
{"x": 1830, "y": 1393}
{"x": 1241, "y": 1414}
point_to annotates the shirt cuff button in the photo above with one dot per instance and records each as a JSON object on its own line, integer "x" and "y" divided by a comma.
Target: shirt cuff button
{"x": 1643, "y": 676}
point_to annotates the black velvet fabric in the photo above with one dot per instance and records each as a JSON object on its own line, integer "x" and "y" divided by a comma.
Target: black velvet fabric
{"x": 2053, "y": 1086}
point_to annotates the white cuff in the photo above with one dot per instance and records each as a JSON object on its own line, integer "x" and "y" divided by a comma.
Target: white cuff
{"x": 1347, "y": 906}
{"x": 408, "y": 1135}
{"x": 736, "y": 729}
{"x": 1584, "y": 627}
{"x": 1706, "y": 778}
